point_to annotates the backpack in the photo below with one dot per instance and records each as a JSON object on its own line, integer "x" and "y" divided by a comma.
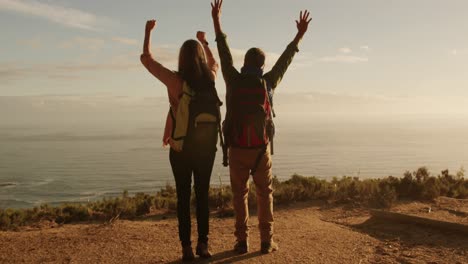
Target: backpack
{"x": 203, "y": 101}
{"x": 249, "y": 123}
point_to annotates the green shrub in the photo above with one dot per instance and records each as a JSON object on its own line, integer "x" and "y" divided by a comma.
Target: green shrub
{"x": 416, "y": 185}
{"x": 220, "y": 197}
{"x": 74, "y": 213}
{"x": 385, "y": 197}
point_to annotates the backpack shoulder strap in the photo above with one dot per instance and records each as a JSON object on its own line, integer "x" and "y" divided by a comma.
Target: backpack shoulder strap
{"x": 269, "y": 98}
{"x": 272, "y": 115}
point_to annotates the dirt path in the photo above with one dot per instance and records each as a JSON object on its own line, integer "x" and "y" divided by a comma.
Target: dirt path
{"x": 304, "y": 234}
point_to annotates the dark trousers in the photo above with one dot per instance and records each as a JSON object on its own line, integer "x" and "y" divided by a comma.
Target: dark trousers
{"x": 197, "y": 158}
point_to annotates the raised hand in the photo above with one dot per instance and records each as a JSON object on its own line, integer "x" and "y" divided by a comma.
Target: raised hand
{"x": 216, "y": 9}
{"x": 303, "y": 22}
{"x": 150, "y": 25}
{"x": 201, "y": 36}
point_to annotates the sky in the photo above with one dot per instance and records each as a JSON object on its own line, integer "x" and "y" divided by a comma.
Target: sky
{"x": 406, "y": 50}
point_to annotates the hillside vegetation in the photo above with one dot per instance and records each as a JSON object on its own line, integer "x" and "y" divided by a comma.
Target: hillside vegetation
{"x": 376, "y": 193}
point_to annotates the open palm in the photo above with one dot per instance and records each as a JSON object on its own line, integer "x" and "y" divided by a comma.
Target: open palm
{"x": 216, "y": 8}
{"x": 303, "y": 22}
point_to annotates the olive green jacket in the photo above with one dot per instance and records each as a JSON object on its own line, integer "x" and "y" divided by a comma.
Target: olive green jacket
{"x": 232, "y": 76}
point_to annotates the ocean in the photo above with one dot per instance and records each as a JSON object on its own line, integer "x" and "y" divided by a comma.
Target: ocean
{"x": 56, "y": 164}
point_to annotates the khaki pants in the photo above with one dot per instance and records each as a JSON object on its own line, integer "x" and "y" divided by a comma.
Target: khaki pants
{"x": 241, "y": 161}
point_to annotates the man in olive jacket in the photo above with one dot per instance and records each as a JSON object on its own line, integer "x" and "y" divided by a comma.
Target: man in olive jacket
{"x": 250, "y": 160}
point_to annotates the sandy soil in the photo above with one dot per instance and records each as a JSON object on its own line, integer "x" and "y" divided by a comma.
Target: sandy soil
{"x": 443, "y": 209}
{"x": 306, "y": 233}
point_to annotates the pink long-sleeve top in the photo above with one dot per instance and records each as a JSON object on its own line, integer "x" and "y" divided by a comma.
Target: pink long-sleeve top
{"x": 174, "y": 84}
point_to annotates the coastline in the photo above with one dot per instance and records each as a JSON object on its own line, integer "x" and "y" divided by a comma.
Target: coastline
{"x": 419, "y": 185}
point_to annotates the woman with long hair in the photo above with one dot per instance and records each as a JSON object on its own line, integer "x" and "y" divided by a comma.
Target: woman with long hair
{"x": 194, "y": 154}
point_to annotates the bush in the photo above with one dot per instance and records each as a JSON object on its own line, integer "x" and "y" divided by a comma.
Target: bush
{"x": 385, "y": 197}
{"x": 220, "y": 197}
{"x": 382, "y": 193}
{"x": 74, "y": 213}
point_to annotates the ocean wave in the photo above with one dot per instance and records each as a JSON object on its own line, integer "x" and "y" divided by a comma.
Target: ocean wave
{"x": 42, "y": 183}
{"x": 88, "y": 196}
{"x": 8, "y": 184}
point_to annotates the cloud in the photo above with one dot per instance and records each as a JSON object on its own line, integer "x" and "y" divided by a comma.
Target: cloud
{"x": 80, "y": 67}
{"x": 456, "y": 52}
{"x": 14, "y": 71}
{"x": 345, "y": 50}
{"x": 167, "y": 55}
{"x": 65, "y": 16}
{"x": 69, "y": 77}
{"x": 94, "y": 110}
{"x": 91, "y": 44}
{"x": 126, "y": 41}
{"x": 33, "y": 43}
{"x": 365, "y": 48}
{"x": 344, "y": 59}
{"x": 292, "y": 105}
{"x": 7, "y": 74}
{"x": 68, "y": 71}
{"x": 94, "y": 44}
{"x": 345, "y": 56}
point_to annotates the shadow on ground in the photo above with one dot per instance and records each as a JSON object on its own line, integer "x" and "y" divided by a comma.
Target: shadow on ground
{"x": 225, "y": 257}
{"x": 411, "y": 235}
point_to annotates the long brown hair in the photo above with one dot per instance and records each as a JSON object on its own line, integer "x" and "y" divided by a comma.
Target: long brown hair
{"x": 192, "y": 65}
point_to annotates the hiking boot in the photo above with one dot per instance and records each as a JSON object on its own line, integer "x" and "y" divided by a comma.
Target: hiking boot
{"x": 202, "y": 250}
{"x": 187, "y": 254}
{"x": 268, "y": 247}
{"x": 241, "y": 247}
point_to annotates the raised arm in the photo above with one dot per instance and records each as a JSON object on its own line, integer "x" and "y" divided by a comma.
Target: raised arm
{"x": 227, "y": 64}
{"x": 216, "y": 14}
{"x": 150, "y": 25}
{"x": 274, "y": 76}
{"x": 165, "y": 75}
{"x": 210, "y": 60}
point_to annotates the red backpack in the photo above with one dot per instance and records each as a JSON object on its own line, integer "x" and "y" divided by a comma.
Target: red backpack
{"x": 249, "y": 122}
